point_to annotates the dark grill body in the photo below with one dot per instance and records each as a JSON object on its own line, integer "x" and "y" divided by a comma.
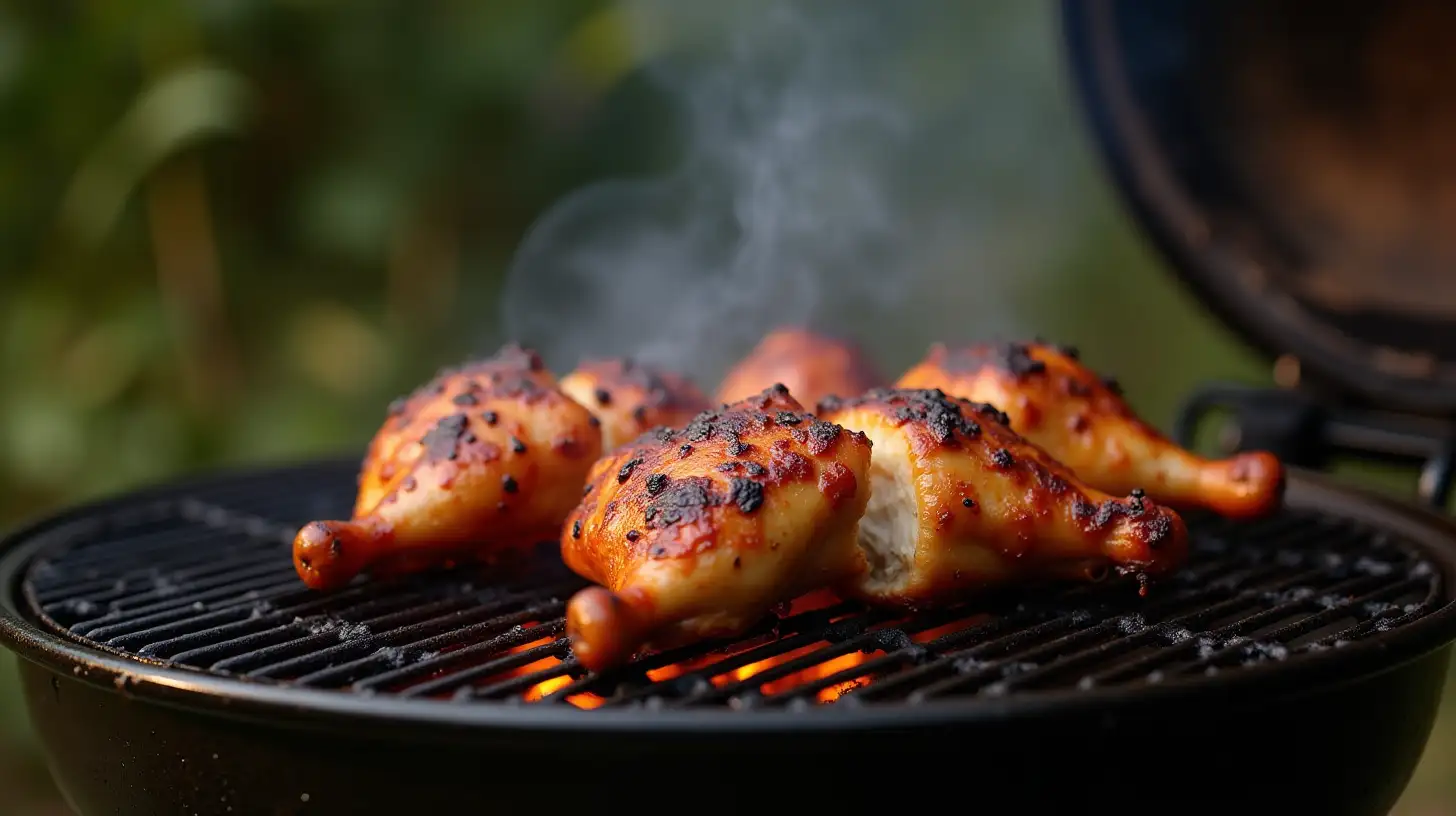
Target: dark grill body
{"x": 176, "y": 664}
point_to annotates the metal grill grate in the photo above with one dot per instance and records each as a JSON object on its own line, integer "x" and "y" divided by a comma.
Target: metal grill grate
{"x": 204, "y": 581}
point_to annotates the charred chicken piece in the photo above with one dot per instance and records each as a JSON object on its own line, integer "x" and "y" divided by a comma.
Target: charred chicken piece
{"x": 1081, "y": 419}
{"x": 811, "y": 366}
{"x": 700, "y": 532}
{"x": 958, "y": 501}
{"x": 630, "y": 398}
{"x": 486, "y": 458}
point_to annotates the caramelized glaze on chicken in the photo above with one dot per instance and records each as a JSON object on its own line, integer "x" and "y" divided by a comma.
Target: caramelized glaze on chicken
{"x": 958, "y": 501}
{"x": 810, "y": 365}
{"x": 700, "y": 532}
{"x": 487, "y": 457}
{"x": 1081, "y": 419}
{"x": 630, "y": 398}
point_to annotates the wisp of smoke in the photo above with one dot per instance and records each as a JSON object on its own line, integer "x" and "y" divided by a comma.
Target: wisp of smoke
{"x": 818, "y": 186}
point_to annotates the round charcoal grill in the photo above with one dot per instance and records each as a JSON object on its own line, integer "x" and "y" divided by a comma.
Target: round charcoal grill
{"x": 174, "y": 663}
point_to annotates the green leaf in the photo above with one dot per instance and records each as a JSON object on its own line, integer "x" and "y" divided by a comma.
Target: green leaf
{"x": 182, "y": 108}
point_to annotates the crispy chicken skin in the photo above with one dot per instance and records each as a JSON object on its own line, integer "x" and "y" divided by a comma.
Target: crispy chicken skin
{"x": 630, "y": 398}
{"x": 487, "y": 457}
{"x": 958, "y": 501}
{"x": 700, "y": 532}
{"x": 811, "y": 366}
{"x": 1081, "y": 419}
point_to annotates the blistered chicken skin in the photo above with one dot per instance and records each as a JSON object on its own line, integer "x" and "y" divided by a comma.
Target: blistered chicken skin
{"x": 959, "y": 502}
{"x": 701, "y": 531}
{"x": 812, "y": 366}
{"x": 631, "y": 398}
{"x": 1082, "y": 420}
{"x": 488, "y": 457}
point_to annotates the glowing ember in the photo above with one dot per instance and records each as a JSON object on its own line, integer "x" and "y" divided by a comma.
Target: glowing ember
{"x": 949, "y": 628}
{"x": 777, "y": 685}
{"x": 793, "y": 680}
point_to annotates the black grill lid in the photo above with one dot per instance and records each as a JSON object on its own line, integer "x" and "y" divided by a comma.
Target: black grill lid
{"x": 1294, "y": 161}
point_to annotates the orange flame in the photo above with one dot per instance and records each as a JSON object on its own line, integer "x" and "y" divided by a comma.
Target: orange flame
{"x": 779, "y": 685}
{"x": 548, "y": 687}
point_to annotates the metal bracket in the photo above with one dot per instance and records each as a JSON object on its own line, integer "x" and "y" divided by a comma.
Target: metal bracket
{"x": 1307, "y": 432}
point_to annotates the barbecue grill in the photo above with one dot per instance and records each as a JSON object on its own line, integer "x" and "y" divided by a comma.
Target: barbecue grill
{"x": 173, "y": 663}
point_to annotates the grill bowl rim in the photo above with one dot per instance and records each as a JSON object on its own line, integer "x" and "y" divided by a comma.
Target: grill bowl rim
{"x": 255, "y": 701}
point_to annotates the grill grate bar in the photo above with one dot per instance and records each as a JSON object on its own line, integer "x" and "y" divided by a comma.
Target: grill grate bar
{"x": 522, "y": 684}
{"x": 953, "y": 658}
{"x": 135, "y": 551}
{"x": 1138, "y": 633}
{"x": 452, "y": 668}
{"x": 328, "y": 640}
{"x": 166, "y": 589}
{"x": 1183, "y": 642}
{"x": 520, "y": 636}
{"x": 1025, "y": 665}
{"x": 206, "y": 646}
{"x": 413, "y": 650}
{"x": 794, "y": 632}
{"x": 249, "y": 611}
{"x": 204, "y": 581}
{"x": 193, "y": 559}
{"x": 1240, "y": 647}
{"x": 120, "y": 622}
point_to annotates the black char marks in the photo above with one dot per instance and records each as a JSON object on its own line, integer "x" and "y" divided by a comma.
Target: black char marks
{"x": 747, "y": 494}
{"x": 626, "y": 472}
{"x": 941, "y": 415}
{"x": 986, "y": 409}
{"x": 701, "y": 427}
{"x": 443, "y": 440}
{"x": 1113, "y": 509}
{"x": 821, "y": 436}
{"x": 787, "y": 418}
{"x": 1014, "y": 358}
{"x": 682, "y": 501}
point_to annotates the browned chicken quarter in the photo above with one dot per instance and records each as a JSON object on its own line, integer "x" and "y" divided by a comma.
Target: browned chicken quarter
{"x": 701, "y": 531}
{"x": 1080, "y": 418}
{"x": 630, "y": 398}
{"x": 812, "y": 366}
{"x": 958, "y": 501}
{"x": 486, "y": 458}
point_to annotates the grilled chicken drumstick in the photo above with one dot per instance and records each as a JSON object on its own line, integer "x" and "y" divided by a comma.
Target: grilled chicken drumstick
{"x": 1056, "y": 402}
{"x": 630, "y": 398}
{"x": 958, "y": 501}
{"x": 811, "y": 366}
{"x": 487, "y": 457}
{"x": 700, "y": 532}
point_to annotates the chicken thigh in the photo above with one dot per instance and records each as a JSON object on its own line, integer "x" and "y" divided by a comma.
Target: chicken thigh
{"x": 811, "y": 366}
{"x": 488, "y": 457}
{"x": 959, "y": 502}
{"x": 1081, "y": 419}
{"x": 630, "y": 398}
{"x": 700, "y": 532}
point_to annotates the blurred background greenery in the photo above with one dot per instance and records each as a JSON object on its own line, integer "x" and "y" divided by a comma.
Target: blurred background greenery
{"x": 230, "y": 231}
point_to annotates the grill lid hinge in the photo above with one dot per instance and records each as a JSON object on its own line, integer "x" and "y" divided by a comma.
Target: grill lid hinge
{"x": 1306, "y": 431}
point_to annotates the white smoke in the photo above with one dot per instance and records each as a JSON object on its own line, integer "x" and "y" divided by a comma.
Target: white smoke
{"x": 833, "y": 175}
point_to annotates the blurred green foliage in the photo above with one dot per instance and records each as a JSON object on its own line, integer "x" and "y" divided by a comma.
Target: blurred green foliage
{"x": 230, "y": 231}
